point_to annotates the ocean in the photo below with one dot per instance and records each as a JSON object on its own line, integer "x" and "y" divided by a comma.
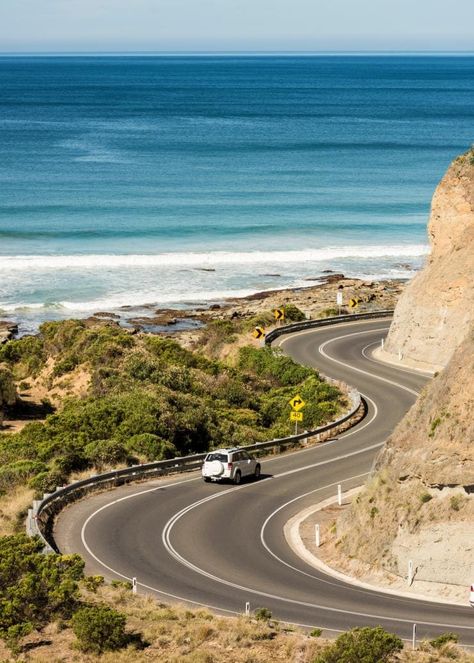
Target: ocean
{"x": 180, "y": 180}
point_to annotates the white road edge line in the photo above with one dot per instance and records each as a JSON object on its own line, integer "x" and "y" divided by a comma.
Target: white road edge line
{"x": 322, "y": 350}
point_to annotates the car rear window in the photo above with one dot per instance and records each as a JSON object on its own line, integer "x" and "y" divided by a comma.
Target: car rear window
{"x": 215, "y": 456}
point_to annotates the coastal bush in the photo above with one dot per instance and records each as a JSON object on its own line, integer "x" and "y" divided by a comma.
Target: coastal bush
{"x": 35, "y": 588}
{"x": 26, "y": 355}
{"x": 442, "y": 639}
{"x": 270, "y": 364}
{"x": 99, "y": 629}
{"x": 150, "y": 398}
{"x": 8, "y": 394}
{"x": 364, "y": 645}
{"x": 152, "y": 447}
{"x": 293, "y": 313}
{"x": 19, "y": 472}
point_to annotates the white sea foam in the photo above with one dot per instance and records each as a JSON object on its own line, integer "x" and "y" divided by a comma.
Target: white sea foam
{"x": 134, "y": 299}
{"x": 208, "y": 260}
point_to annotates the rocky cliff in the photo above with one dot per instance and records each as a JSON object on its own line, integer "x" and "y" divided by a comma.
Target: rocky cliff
{"x": 435, "y": 311}
{"x": 419, "y": 504}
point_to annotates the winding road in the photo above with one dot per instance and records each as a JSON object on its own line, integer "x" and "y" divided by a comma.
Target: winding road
{"x": 221, "y": 546}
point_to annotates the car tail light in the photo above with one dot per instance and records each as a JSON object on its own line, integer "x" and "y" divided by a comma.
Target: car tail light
{"x": 229, "y": 466}
{"x": 472, "y": 588}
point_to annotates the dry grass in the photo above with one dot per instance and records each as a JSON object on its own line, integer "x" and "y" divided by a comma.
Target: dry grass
{"x": 13, "y": 508}
{"x": 175, "y": 634}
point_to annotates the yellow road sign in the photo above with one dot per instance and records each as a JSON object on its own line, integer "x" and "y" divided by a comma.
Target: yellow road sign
{"x": 354, "y": 302}
{"x": 297, "y": 403}
{"x": 296, "y": 416}
{"x": 258, "y": 332}
{"x": 279, "y": 313}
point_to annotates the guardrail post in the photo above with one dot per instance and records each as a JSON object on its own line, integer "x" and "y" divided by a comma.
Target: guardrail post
{"x": 339, "y": 494}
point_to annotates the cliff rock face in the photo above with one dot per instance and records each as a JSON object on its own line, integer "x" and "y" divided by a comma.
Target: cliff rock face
{"x": 436, "y": 309}
{"x": 420, "y": 503}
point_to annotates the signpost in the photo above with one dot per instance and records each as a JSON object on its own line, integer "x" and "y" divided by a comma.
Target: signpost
{"x": 354, "y": 302}
{"x": 297, "y": 404}
{"x": 296, "y": 416}
{"x": 258, "y": 333}
{"x": 279, "y": 314}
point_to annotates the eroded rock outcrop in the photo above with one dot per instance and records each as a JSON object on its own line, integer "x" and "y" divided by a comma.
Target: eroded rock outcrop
{"x": 420, "y": 502}
{"x": 436, "y": 309}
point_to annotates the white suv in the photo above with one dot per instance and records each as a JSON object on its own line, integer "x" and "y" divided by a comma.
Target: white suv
{"x": 231, "y": 464}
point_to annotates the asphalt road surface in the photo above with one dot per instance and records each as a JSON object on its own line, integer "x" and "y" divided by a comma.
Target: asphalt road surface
{"x": 222, "y": 545}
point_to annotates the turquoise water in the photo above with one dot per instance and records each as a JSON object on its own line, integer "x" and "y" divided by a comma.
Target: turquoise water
{"x": 126, "y": 180}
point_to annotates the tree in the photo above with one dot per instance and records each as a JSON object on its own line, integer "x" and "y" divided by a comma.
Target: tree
{"x": 34, "y": 588}
{"x": 99, "y": 628}
{"x": 362, "y": 645}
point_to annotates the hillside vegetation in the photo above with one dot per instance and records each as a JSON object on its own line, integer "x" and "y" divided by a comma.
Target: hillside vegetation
{"x": 145, "y": 398}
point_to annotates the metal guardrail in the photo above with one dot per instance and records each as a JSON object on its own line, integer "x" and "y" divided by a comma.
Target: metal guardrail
{"x": 324, "y": 322}
{"x": 40, "y": 517}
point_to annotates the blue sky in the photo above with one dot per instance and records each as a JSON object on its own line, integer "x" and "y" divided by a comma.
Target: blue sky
{"x": 229, "y": 25}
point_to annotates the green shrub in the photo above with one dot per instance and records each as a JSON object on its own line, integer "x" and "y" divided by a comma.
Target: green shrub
{"x": 99, "y": 629}
{"x": 362, "y": 645}
{"x": 151, "y": 446}
{"x": 293, "y": 313}
{"x": 17, "y": 473}
{"x": 34, "y": 588}
{"x": 262, "y": 614}
{"x": 47, "y": 482}
{"x": 316, "y": 632}
{"x": 106, "y": 452}
{"x": 270, "y": 364}
{"x": 425, "y": 497}
{"x": 92, "y": 583}
{"x": 456, "y": 502}
{"x": 121, "y": 584}
{"x": 442, "y": 639}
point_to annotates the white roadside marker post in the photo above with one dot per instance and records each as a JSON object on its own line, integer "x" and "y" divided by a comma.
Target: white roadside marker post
{"x": 410, "y": 572}
{"x": 247, "y": 609}
{"x": 400, "y": 356}
{"x": 339, "y": 494}
{"x": 413, "y": 644}
{"x": 134, "y": 585}
{"x": 382, "y": 343}
{"x": 317, "y": 535}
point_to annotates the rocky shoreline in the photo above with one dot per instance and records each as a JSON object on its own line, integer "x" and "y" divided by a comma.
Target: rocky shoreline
{"x": 316, "y": 301}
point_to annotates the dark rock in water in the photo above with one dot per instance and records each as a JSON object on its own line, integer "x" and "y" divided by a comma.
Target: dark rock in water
{"x": 273, "y": 275}
{"x": 215, "y": 307}
{"x": 8, "y": 330}
{"x": 205, "y": 269}
{"x": 105, "y": 314}
{"x": 327, "y": 271}
{"x": 403, "y": 265}
{"x": 313, "y": 278}
{"x": 172, "y": 321}
{"x": 334, "y": 278}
